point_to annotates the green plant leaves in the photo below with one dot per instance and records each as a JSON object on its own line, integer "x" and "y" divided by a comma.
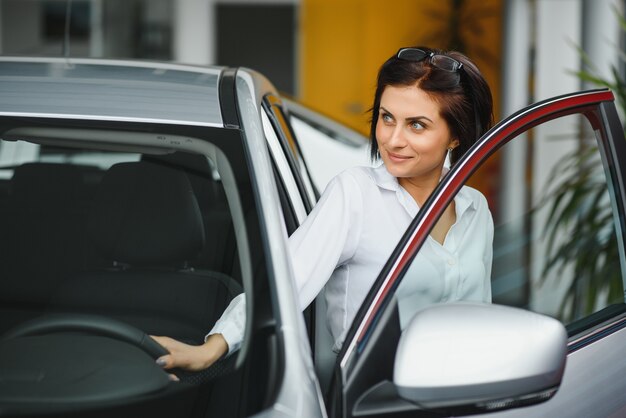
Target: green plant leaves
{"x": 580, "y": 225}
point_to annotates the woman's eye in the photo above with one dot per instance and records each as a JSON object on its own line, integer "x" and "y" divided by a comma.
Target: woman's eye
{"x": 387, "y": 118}
{"x": 416, "y": 126}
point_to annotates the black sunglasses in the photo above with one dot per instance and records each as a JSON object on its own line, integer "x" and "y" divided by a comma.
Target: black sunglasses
{"x": 443, "y": 62}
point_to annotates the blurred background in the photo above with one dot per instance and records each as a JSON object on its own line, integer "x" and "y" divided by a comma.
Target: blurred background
{"x": 326, "y": 53}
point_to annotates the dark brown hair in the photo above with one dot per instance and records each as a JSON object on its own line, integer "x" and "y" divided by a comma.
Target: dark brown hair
{"x": 464, "y": 96}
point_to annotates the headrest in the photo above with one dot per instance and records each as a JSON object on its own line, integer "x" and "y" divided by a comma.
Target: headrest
{"x": 45, "y": 183}
{"x": 146, "y": 214}
{"x": 208, "y": 191}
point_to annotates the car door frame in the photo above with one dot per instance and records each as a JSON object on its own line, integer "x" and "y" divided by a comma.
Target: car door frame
{"x": 291, "y": 149}
{"x": 599, "y": 108}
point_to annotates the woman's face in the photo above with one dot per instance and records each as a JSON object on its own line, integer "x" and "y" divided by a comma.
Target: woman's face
{"x": 412, "y": 137}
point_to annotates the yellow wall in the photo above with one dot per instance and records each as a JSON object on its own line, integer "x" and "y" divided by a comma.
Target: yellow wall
{"x": 343, "y": 43}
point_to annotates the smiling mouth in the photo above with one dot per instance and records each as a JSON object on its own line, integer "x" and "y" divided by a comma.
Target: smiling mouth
{"x": 397, "y": 157}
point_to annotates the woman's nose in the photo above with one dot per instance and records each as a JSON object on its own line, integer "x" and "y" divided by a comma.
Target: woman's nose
{"x": 396, "y": 137}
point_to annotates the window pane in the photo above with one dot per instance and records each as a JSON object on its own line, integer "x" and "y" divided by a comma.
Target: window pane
{"x": 145, "y": 238}
{"x": 555, "y": 246}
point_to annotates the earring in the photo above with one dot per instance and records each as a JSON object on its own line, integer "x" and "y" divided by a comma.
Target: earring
{"x": 449, "y": 153}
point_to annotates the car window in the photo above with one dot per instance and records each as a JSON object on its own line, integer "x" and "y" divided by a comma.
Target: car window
{"x": 154, "y": 237}
{"x": 286, "y": 176}
{"x": 327, "y": 146}
{"x": 16, "y": 152}
{"x": 556, "y": 248}
{"x": 291, "y": 148}
{"x": 58, "y": 179}
{"x": 555, "y": 240}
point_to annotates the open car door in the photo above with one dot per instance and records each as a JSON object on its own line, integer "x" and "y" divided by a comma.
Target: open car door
{"x": 552, "y": 342}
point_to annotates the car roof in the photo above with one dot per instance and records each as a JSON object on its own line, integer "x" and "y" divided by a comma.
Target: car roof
{"x": 110, "y": 90}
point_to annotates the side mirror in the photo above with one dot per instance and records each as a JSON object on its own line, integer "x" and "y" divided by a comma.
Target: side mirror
{"x": 479, "y": 357}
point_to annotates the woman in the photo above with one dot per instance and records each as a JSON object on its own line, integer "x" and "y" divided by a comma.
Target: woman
{"x": 429, "y": 105}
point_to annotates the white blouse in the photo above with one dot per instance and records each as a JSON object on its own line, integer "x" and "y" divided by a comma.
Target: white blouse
{"x": 347, "y": 238}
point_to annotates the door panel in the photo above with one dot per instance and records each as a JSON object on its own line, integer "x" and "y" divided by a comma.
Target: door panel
{"x": 593, "y": 384}
{"x": 549, "y": 220}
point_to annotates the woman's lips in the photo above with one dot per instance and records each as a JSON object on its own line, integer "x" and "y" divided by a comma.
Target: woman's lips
{"x": 397, "y": 158}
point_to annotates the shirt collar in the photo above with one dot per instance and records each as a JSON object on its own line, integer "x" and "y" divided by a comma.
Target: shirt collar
{"x": 463, "y": 201}
{"x": 385, "y": 180}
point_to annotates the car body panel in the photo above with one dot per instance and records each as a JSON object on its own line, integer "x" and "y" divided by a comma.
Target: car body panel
{"x": 110, "y": 90}
{"x": 598, "y": 106}
{"x": 152, "y": 91}
{"x": 584, "y": 392}
{"x": 298, "y": 390}
{"x": 164, "y": 107}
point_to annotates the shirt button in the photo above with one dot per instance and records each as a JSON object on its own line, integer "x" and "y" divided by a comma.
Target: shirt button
{"x": 451, "y": 262}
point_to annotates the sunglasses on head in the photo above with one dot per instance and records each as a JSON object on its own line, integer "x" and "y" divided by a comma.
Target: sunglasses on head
{"x": 443, "y": 62}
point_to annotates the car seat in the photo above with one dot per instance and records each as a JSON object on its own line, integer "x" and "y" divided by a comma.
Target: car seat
{"x": 146, "y": 222}
{"x": 42, "y": 222}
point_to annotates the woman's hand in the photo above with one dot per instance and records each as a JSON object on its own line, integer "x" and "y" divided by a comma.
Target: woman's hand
{"x": 191, "y": 357}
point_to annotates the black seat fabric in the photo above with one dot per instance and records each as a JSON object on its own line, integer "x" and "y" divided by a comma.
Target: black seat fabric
{"x": 147, "y": 223}
{"x": 42, "y": 236}
{"x": 146, "y": 214}
{"x": 219, "y": 250}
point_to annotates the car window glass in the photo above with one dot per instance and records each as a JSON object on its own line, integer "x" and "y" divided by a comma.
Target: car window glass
{"x": 291, "y": 149}
{"x": 328, "y": 153}
{"x": 16, "y": 152}
{"x": 302, "y": 167}
{"x": 147, "y": 238}
{"x": 555, "y": 248}
{"x": 308, "y": 184}
{"x": 282, "y": 165}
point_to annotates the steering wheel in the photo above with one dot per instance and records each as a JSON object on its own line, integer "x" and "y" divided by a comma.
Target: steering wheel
{"x": 88, "y": 324}
{"x": 117, "y": 330}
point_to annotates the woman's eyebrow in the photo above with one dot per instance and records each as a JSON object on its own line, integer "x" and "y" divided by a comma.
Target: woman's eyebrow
{"x": 409, "y": 119}
{"x": 418, "y": 119}
{"x": 386, "y": 111}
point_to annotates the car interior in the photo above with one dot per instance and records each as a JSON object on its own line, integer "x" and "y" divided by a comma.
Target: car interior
{"x": 102, "y": 246}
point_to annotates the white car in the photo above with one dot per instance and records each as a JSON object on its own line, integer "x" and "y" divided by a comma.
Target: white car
{"x": 140, "y": 198}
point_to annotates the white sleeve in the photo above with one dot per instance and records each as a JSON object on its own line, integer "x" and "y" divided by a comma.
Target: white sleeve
{"x": 488, "y": 254}
{"x": 326, "y": 239}
{"x": 232, "y": 323}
